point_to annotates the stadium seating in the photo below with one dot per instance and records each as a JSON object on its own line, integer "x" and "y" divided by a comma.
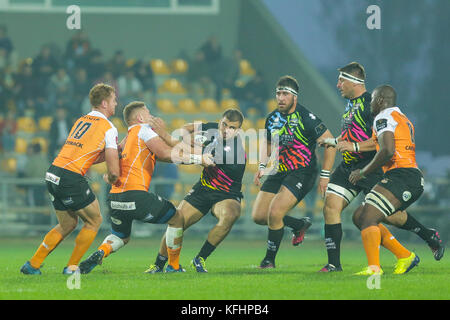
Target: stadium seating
{"x": 187, "y": 105}
{"x": 42, "y": 141}
{"x": 159, "y": 67}
{"x": 26, "y": 124}
{"x": 260, "y": 123}
{"x": 209, "y": 106}
{"x": 179, "y": 66}
{"x": 271, "y": 105}
{"x": 166, "y": 106}
{"x": 246, "y": 68}
{"x": 21, "y": 145}
{"x": 172, "y": 85}
{"x": 45, "y": 123}
{"x": 247, "y": 124}
{"x": 118, "y": 123}
{"x": 9, "y": 165}
{"x": 177, "y": 123}
{"x": 229, "y": 103}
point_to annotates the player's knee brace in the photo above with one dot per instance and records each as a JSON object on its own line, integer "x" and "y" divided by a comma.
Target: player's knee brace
{"x": 380, "y": 202}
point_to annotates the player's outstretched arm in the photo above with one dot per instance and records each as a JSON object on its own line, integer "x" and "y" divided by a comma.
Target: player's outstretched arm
{"x": 363, "y": 146}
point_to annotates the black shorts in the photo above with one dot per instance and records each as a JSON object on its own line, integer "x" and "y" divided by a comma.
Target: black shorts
{"x": 299, "y": 182}
{"x": 137, "y": 205}
{"x": 406, "y": 184}
{"x": 203, "y": 198}
{"x": 68, "y": 190}
{"x": 342, "y": 187}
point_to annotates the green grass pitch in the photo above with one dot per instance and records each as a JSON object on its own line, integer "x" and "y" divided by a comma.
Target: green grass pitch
{"x": 232, "y": 274}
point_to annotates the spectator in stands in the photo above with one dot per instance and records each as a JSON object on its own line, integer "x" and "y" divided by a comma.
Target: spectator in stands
{"x": 44, "y": 65}
{"x": 254, "y": 95}
{"x": 5, "y": 42}
{"x": 231, "y": 71}
{"x": 129, "y": 86}
{"x": 8, "y": 129}
{"x": 96, "y": 66}
{"x": 117, "y": 64}
{"x": 7, "y": 85}
{"x": 27, "y": 86}
{"x": 78, "y": 51}
{"x": 59, "y": 130}
{"x": 212, "y": 52}
{"x": 145, "y": 75}
{"x": 200, "y": 84}
{"x": 60, "y": 87}
{"x": 81, "y": 86}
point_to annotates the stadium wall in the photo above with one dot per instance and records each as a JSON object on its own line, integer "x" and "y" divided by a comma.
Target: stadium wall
{"x": 272, "y": 51}
{"x": 141, "y": 36}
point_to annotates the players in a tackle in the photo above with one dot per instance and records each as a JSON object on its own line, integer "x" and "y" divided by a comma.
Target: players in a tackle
{"x": 218, "y": 189}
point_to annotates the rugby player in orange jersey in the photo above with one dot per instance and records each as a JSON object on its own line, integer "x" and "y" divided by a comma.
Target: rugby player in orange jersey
{"x": 92, "y": 137}
{"x": 401, "y": 185}
{"x": 130, "y": 200}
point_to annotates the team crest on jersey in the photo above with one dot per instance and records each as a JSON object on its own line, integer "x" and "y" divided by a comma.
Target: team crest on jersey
{"x": 406, "y": 196}
{"x": 384, "y": 180}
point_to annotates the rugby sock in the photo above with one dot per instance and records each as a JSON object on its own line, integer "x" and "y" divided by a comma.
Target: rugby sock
{"x": 107, "y": 248}
{"x": 415, "y": 226}
{"x": 160, "y": 261}
{"x": 174, "y": 238}
{"x": 273, "y": 243}
{"x": 111, "y": 244}
{"x": 83, "y": 241}
{"x": 294, "y": 223}
{"x": 206, "y": 250}
{"x": 50, "y": 242}
{"x": 371, "y": 238}
{"x": 389, "y": 242}
{"x": 333, "y": 237}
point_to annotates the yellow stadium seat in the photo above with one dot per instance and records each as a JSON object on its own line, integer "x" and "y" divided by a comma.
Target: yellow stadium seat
{"x": 9, "y": 165}
{"x": 166, "y": 106}
{"x": 271, "y": 105}
{"x": 179, "y": 66}
{"x": 229, "y": 103}
{"x": 42, "y": 141}
{"x": 21, "y": 145}
{"x": 190, "y": 169}
{"x": 247, "y": 124}
{"x": 45, "y": 123}
{"x": 246, "y": 68}
{"x": 159, "y": 67}
{"x": 260, "y": 123}
{"x": 26, "y": 124}
{"x": 209, "y": 106}
{"x": 130, "y": 63}
{"x": 172, "y": 85}
{"x": 177, "y": 123}
{"x": 187, "y": 105}
{"x": 118, "y": 123}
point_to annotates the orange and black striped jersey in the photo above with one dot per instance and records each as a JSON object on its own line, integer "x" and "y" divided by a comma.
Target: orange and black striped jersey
{"x": 137, "y": 162}
{"x": 392, "y": 119}
{"x": 89, "y": 136}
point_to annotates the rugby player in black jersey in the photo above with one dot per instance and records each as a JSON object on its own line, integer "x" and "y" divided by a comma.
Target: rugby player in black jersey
{"x": 296, "y": 130}
{"x": 357, "y": 122}
{"x": 218, "y": 190}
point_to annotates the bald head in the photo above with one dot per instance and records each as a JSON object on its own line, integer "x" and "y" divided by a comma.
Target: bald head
{"x": 388, "y": 94}
{"x": 383, "y": 97}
